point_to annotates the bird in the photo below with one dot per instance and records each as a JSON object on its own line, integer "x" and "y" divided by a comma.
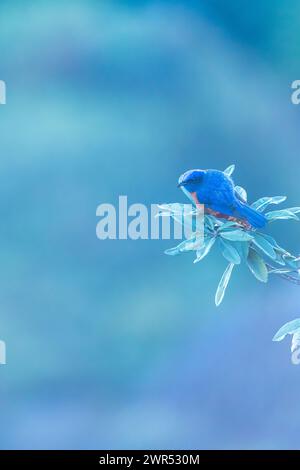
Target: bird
{"x": 215, "y": 190}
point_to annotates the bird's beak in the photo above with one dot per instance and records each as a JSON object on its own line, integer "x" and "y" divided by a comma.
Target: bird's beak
{"x": 180, "y": 184}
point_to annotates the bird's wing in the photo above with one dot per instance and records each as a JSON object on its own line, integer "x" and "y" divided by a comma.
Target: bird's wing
{"x": 220, "y": 200}
{"x": 219, "y": 196}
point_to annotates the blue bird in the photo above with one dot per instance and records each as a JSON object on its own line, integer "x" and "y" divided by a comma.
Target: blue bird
{"x": 216, "y": 191}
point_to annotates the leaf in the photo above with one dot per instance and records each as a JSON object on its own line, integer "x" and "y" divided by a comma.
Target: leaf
{"x": 294, "y": 210}
{"x": 228, "y": 226}
{"x": 205, "y": 249}
{"x": 209, "y": 222}
{"x": 241, "y": 193}
{"x": 273, "y": 242}
{"x": 243, "y": 249}
{"x": 283, "y": 214}
{"x": 229, "y": 170}
{"x": 236, "y": 235}
{"x": 291, "y": 261}
{"x": 190, "y": 244}
{"x": 280, "y": 271}
{"x": 261, "y": 204}
{"x": 172, "y": 251}
{"x": 295, "y": 341}
{"x": 264, "y": 245}
{"x": 223, "y": 284}
{"x": 287, "y": 329}
{"x": 257, "y": 266}
{"x": 278, "y": 250}
{"x": 279, "y": 259}
{"x": 229, "y": 252}
{"x": 184, "y": 214}
{"x": 176, "y": 207}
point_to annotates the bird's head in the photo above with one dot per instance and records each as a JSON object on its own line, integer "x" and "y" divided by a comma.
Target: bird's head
{"x": 191, "y": 180}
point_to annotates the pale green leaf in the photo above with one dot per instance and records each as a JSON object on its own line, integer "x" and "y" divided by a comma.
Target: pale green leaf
{"x": 190, "y": 244}
{"x": 294, "y": 210}
{"x": 257, "y": 266}
{"x": 273, "y": 242}
{"x": 291, "y": 261}
{"x": 280, "y": 271}
{"x": 209, "y": 222}
{"x": 264, "y": 245}
{"x": 223, "y": 284}
{"x": 229, "y": 252}
{"x": 283, "y": 214}
{"x": 228, "y": 226}
{"x": 243, "y": 249}
{"x": 289, "y": 328}
{"x": 295, "y": 341}
{"x": 261, "y": 204}
{"x": 279, "y": 259}
{"x": 229, "y": 170}
{"x": 236, "y": 235}
{"x": 173, "y": 207}
{"x": 205, "y": 249}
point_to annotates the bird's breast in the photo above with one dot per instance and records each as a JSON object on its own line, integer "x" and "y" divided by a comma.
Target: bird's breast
{"x": 195, "y": 198}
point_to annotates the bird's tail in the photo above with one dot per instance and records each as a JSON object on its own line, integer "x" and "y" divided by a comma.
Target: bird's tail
{"x": 255, "y": 218}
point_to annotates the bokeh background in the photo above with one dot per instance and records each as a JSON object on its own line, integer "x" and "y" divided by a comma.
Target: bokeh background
{"x": 112, "y": 344}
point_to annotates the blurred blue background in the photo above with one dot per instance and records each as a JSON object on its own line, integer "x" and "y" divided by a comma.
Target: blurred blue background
{"x": 112, "y": 344}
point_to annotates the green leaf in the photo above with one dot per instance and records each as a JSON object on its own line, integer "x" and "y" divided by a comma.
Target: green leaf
{"x": 261, "y": 204}
{"x": 291, "y": 261}
{"x": 257, "y": 266}
{"x": 205, "y": 249}
{"x": 185, "y": 214}
{"x": 236, "y": 235}
{"x": 280, "y": 271}
{"x": 229, "y": 170}
{"x": 209, "y": 222}
{"x": 294, "y": 210}
{"x": 272, "y": 241}
{"x": 279, "y": 259}
{"x": 228, "y": 226}
{"x": 229, "y": 252}
{"x": 264, "y": 245}
{"x": 174, "y": 207}
{"x": 172, "y": 251}
{"x": 190, "y": 244}
{"x": 223, "y": 284}
{"x": 278, "y": 250}
{"x": 289, "y": 328}
{"x": 177, "y": 209}
{"x": 241, "y": 192}
{"x": 295, "y": 341}
{"x": 243, "y": 249}
{"x": 283, "y": 214}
